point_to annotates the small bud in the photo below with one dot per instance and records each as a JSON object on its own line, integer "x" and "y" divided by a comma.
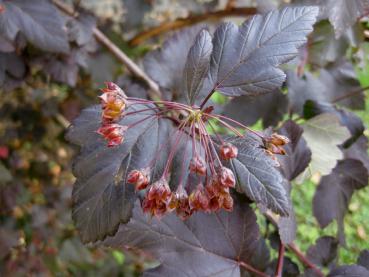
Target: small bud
{"x": 198, "y": 166}
{"x": 157, "y": 199}
{"x": 183, "y": 208}
{"x": 140, "y": 178}
{"x": 113, "y": 101}
{"x": 228, "y": 203}
{"x": 228, "y": 151}
{"x": 277, "y": 139}
{"x": 274, "y": 143}
{"x": 198, "y": 199}
{"x": 226, "y": 178}
{"x": 113, "y": 133}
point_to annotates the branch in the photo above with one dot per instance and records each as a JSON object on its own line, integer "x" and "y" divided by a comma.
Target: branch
{"x": 188, "y": 21}
{"x": 279, "y": 270}
{"x": 350, "y": 94}
{"x": 294, "y": 248}
{"x": 252, "y": 269}
{"x": 154, "y": 90}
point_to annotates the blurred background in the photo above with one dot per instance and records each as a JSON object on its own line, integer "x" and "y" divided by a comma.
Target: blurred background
{"x": 41, "y": 92}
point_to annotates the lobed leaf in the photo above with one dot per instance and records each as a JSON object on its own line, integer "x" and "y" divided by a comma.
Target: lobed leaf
{"x": 324, "y": 251}
{"x": 332, "y": 86}
{"x": 38, "y": 20}
{"x": 101, "y": 197}
{"x": 257, "y": 176}
{"x": 343, "y": 14}
{"x": 269, "y": 107}
{"x": 166, "y": 65}
{"x": 197, "y": 65}
{"x": 245, "y": 59}
{"x": 323, "y": 134}
{"x": 203, "y": 245}
{"x": 334, "y": 192}
{"x": 298, "y": 155}
{"x": 349, "y": 271}
{"x": 363, "y": 259}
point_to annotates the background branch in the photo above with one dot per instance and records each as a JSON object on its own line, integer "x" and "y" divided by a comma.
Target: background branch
{"x": 293, "y": 248}
{"x": 154, "y": 90}
{"x": 188, "y": 21}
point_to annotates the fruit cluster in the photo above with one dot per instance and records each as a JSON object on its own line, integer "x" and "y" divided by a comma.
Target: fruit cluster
{"x": 214, "y": 180}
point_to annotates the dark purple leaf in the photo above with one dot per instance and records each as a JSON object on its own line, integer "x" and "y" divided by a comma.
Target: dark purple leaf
{"x": 298, "y": 155}
{"x": 197, "y": 65}
{"x": 343, "y": 14}
{"x": 324, "y": 252}
{"x": 166, "y": 65}
{"x": 334, "y": 192}
{"x": 287, "y": 227}
{"x": 269, "y": 107}
{"x": 290, "y": 269}
{"x": 358, "y": 151}
{"x": 349, "y": 271}
{"x": 133, "y": 87}
{"x": 333, "y": 84}
{"x": 39, "y": 21}
{"x": 8, "y": 240}
{"x": 324, "y": 47}
{"x": 5, "y": 45}
{"x": 135, "y": 12}
{"x": 80, "y": 29}
{"x": 102, "y": 199}
{"x": 257, "y": 176}
{"x": 363, "y": 259}
{"x": 245, "y": 59}
{"x": 11, "y": 67}
{"x": 203, "y": 245}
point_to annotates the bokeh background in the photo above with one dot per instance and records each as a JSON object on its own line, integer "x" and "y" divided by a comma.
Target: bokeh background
{"x": 37, "y": 235}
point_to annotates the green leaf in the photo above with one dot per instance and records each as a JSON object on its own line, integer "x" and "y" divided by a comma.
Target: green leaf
{"x": 323, "y": 135}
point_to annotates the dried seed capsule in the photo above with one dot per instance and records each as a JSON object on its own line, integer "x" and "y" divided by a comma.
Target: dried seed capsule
{"x": 199, "y": 200}
{"x": 113, "y": 102}
{"x": 226, "y": 177}
{"x": 113, "y": 133}
{"x": 183, "y": 208}
{"x": 228, "y": 203}
{"x": 277, "y": 139}
{"x": 157, "y": 199}
{"x": 198, "y": 166}
{"x": 228, "y": 151}
{"x": 140, "y": 178}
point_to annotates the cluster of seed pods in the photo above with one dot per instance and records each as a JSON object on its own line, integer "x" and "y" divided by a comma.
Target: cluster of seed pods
{"x": 209, "y": 195}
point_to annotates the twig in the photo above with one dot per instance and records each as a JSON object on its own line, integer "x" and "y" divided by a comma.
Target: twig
{"x": 304, "y": 260}
{"x": 230, "y": 4}
{"x": 292, "y": 247}
{"x": 119, "y": 54}
{"x": 279, "y": 269}
{"x": 350, "y": 94}
{"x": 191, "y": 20}
{"x": 252, "y": 269}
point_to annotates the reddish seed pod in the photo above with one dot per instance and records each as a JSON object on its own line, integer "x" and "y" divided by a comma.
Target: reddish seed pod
{"x": 277, "y": 139}
{"x": 113, "y": 102}
{"x": 113, "y": 133}
{"x": 182, "y": 206}
{"x": 226, "y": 178}
{"x": 228, "y": 203}
{"x": 228, "y": 151}
{"x": 198, "y": 166}
{"x": 140, "y": 178}
{"x": 198, "y": 199}
{"x": 157, "y": 199}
